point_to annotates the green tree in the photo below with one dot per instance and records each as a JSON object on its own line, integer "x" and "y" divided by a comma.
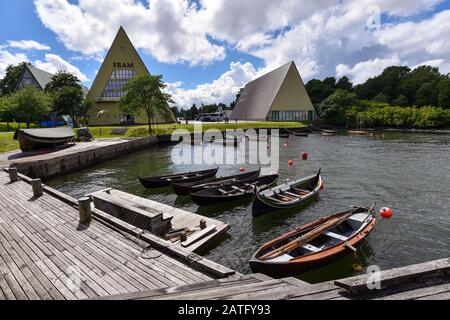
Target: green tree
{"x": 7, "y": 110}
{"x": 334, "y": 108}
{"x": 400, "y": 101}
{"x": 344, "y": 84}
{"x": 426, "y": 95}
{"x": 380, "y": 97}
{"x": 67, "y": 95}
{"x": 443, "y": 87}
{"x": 68, "y": 101}
{"x": 31, "y": 105}
{"x": 9, "y": 83}
{"x": 144, "y": 94}
{"x": 414, "y": 80}
{"x": 60, "y": 80}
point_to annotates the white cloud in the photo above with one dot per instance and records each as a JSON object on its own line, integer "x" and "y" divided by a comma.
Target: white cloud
{"x": 223, "y": 89}
{"x": 166, "y": 29}
{"x": 362, "y": 71}
{"x": 28, "y": 45}
{"x": 54, "y": 63}
{"x": 7, "y": 58}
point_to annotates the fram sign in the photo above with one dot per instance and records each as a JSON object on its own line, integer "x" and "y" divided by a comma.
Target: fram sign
{"x": 123, "y": 65}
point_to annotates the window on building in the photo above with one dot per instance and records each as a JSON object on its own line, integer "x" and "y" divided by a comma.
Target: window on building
{"x": 115, "y": 87}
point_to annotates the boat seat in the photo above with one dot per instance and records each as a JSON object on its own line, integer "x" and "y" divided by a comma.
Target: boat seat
{"x": 301, "y": 190}
{"x": 293, "y": 194}
{"x": 238, "y": 189}
{"x": 276, "y": 200}
{"x": 335, "y": 235}
{"x": 283, "y": 258}
{"x": 360, "y": 217}
{"x": 310, "y": 247}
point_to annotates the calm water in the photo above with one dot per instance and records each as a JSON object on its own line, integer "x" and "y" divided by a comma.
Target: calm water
{"x": 407, "y": 172}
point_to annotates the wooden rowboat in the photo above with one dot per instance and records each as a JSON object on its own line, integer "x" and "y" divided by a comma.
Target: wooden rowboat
{"x": 286, "y": 196}
{"x": 38, "y": 139}
{"x": 315, "y": 244}
{"x": 233, "y": 191}
{"x": 184, "y": 188}
{"x": 162, "y": 181}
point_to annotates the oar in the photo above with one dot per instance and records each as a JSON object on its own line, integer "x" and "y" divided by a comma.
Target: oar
{"x": 309, "y": 236}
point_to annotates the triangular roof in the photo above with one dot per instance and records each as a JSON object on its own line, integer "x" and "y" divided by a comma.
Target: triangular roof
{"x": 281, "y": 85}
{"x": 122, "y": 50}
{"x": 43, "y": 77}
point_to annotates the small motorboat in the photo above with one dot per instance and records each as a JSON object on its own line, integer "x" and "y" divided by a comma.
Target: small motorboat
{"x": 163, "y": 181}
{"x": 286, "y": 196}
{"x": 233, "y": 191}
{"x": 315, "y": 244}
{"x": 184, "y": 188}
{"x": 38, "y": 139}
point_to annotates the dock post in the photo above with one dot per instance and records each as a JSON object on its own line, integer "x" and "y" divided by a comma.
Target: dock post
{"x": 203, "y": 224}
{"x": 84, "y": 208}
{"x": 36, "y": 184}
{"x": 13, "y": 174}
{"x": 183, "y": 237}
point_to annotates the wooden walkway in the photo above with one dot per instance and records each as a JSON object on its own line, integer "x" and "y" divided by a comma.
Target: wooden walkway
{"x": 425, "y": 281}
{"x": 115, "y": 201}
{"x": 46, "y": 254}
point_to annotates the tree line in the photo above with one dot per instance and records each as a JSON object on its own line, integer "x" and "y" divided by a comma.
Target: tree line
{"x": 63, "y": 95}
{"x": 398, "y": 97}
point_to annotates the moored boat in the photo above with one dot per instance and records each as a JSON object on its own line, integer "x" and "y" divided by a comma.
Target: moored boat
{"x": 162, "y": 181}
{"x": 286, "y": 196}
{"x": 184, "y": 188}
{"x": 314, "y": 244}
{"x": 38, "y": 139}
{"x": 233, "y": 191}
{"x": 301, "y": 134}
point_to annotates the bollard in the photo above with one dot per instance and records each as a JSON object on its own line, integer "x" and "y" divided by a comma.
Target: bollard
{"x": 84, "y": 208}
{"x": 13, "y": 175}
{"x": 203, "y": 224}
{"x": 36, "y": 184}
{"x": 183, "y": 237}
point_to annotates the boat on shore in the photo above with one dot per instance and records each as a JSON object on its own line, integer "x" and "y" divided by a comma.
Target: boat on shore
{"x": 39, "y": 139}
{"x": 314, "y": 244}
{"x": 184, "y": 188}
{"x": 233, "y": 191}
{"x": 167, "y": 180}
{"x": 286, "y": 196}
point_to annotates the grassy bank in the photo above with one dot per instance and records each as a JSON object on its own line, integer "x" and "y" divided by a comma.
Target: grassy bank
{"x": 8, "y": 144}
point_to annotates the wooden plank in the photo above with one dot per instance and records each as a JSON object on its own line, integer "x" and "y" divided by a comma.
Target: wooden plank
{"x": 358, "y": 284}
{"x": 418, "y": 293}
{"x": 198, "y": 235}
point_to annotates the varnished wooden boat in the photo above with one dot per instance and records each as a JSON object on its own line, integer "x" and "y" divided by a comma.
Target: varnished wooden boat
{"x": 38, "y": 139}
{"x": 323, "y": 245}
{"x": 162, "y": 181}
{"x": 286, "y": 196}
{"x": 184, "y": 188}
{"x": 233, "y": 191}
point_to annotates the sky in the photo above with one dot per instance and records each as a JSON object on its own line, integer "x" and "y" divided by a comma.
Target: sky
{"x": 207, "y": 49}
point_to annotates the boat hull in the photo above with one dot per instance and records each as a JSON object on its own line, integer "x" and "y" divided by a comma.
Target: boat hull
{"x": 38, "y": 139}
{"x": 183, "y": 189}
{"x": 261, "y": 206}
{"x": 158, "y": 182}
{"x": 311, "y": 261}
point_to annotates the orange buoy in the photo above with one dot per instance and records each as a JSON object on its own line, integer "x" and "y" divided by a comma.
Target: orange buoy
{"x": 386, "y": 212}
{"x": 305, "y": 155}
{"x": 322, "y": 185}
{"x": 291, "y": 162}
{"x": 242, "y": 169}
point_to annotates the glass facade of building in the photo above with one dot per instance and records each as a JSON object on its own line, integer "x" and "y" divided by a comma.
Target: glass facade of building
{"x": 292, "y": 115}
{"x": 115, "y": 86}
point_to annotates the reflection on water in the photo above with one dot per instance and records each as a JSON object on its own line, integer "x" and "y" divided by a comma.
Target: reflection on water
{"x": 407, "y": 172}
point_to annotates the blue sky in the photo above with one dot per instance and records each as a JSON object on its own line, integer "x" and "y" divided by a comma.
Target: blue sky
{"x": 207, "y": 49}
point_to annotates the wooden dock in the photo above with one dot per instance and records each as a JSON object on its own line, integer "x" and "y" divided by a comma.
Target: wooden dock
{"x": 45, "y": 253}
{"x": 160, "y": 218}
{"x": 425, "y": 281}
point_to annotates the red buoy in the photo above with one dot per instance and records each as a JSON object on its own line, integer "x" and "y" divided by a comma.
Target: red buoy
{"x": 242, "y": 169}
{"x": 305, "y": 156}
{"x": 291, "y": 162}
{"x": 386, "y": 212}
{"x": 322, "y": 185}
